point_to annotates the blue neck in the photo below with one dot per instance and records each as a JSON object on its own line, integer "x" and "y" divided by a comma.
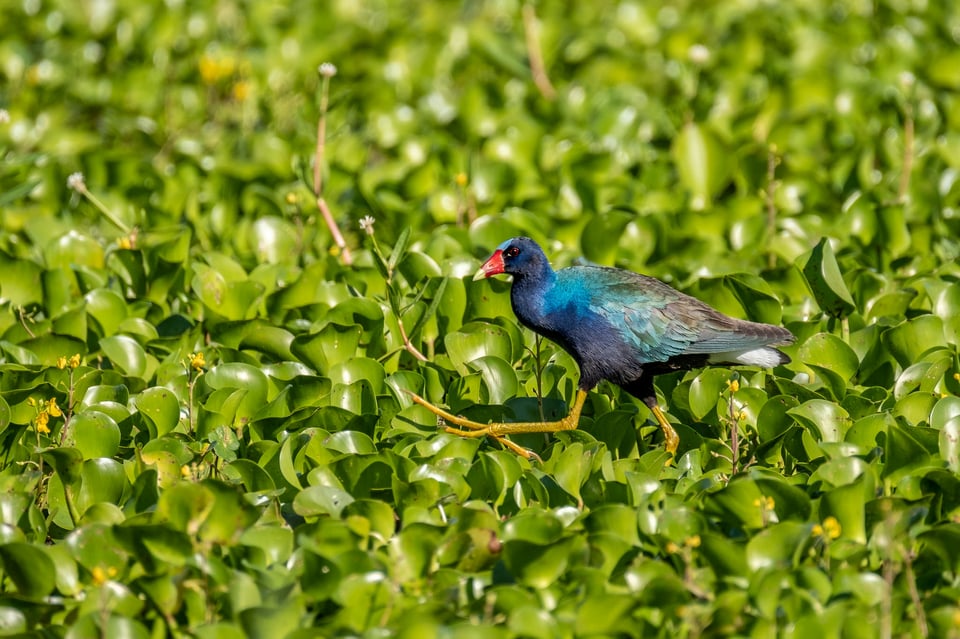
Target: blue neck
{"x": 527, "y": 295}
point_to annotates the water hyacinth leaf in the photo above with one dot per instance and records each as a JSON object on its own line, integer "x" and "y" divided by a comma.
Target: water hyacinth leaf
{"x": 273, "y": 240}
{"x": 476, "y": 340}
{"x": 705, "y": 391}
{"x": 910, "y": 339}
{"x": 756, "y": 297}
{"x": 272, "y": 340}
{"x": 66, "y": 461}
{"x": 102, "y": 481}
{"x": 499, "y": 378}
{"x": 333, "y": 344}
{"x": 777, "y": 546}
{"x": 359, "y": 368}
{"x": 830, "y": 421}
{"x": 950, "y": 443}
{"x": 29, "y": 568}
{"x": 107, "y": 309}
{"x": 595, "y": 240}
{"x": 321, "y": 500}
{"x": 229, "y": 515}
{"x": 540, "y": 566}
{"x": 822, "y": 275}
{"x": 774, "y": 418}
{"x": 161, "y": 408}
{"x": 848, "y": 504}
{"x": 237, "y": 375}
{"x": 830, "y": 352}
{"x": 94, "y": 434}
{"x": 701, "y": 162}
{"x": 232, "y": 300}
{"x": 74, "y": 248}
{"x": 908, "y": 447}
{"x": 48, "y": 348}
{"x": 186, "y": 506}
{"x": 126, "y": 354}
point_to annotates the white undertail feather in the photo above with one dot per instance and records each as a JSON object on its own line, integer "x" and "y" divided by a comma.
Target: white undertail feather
{"x": 764, "y": 357}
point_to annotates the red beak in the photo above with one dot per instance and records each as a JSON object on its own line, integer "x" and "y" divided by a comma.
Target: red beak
{"x": 493, "y": 266}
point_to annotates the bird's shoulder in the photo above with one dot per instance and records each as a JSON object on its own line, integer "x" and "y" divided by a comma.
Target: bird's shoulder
{"x": 603, "y": 286}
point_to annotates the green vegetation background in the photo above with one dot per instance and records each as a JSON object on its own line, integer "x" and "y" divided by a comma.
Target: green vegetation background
{"x": 203, "y": 411}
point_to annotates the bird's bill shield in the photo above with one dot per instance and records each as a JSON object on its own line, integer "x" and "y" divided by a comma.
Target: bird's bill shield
{"x": 493, "y": 266}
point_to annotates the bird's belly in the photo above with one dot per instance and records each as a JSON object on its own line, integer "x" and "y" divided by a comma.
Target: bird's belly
{"x": 601, "y": 355}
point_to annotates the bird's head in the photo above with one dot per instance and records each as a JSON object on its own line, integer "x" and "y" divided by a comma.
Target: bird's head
{"x": 516, "y": 256}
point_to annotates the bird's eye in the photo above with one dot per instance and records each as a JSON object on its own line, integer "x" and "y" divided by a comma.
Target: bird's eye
{"x": 513, "y": 251}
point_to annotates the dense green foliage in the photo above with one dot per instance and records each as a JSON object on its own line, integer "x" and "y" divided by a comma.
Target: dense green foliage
{"x": 203, "y": 410}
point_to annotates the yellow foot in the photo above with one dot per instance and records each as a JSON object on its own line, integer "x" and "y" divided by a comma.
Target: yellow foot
{"x": 497, "y": 430}
{"x": 670, "y": 438}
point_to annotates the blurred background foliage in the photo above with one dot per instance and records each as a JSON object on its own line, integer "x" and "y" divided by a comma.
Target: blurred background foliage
{"x": 203, "y": 404}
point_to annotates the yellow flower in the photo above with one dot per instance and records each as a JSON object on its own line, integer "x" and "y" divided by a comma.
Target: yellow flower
{"x": 124, "y": 243}
{"x": 292, "y": 198}
{"x": 831, "y": 527}
{"x": 61, "y": 362}
{"x": 212, "y": 69}
{"x": 197, "y": 361}
{"x": 693, "y": 542}
{"x": 41, "y": 420}
{"x": 461, "y": 179}
{"x": 99, "y": 575}
{"x": 672, "y": 548}
{"x": 52, "y": 407}
{"x": 185, "y": 470}
{"x": 764, "y": 503}
{"x": 734, "y": 385}
{"x": 241, "y": 90}
{"x": 74, "y": 360}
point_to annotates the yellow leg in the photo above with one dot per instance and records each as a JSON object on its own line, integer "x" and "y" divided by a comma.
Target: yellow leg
{"x": 670, "y": 438}
{"x": 497, "y": 430}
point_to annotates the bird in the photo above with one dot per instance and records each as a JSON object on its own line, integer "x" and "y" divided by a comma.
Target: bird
{"x": 618, "y": 326}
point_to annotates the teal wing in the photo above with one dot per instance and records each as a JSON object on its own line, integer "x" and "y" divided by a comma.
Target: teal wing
{"x": 658, "y": 322}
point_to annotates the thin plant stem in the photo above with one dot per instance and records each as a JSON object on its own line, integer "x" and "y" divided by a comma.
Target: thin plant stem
{"x": 771, "y": 190}
{"x": 326, "y": 72}
{"x": 915, "y": 596}
{"x": 903, "y": 191}
{"x": 100, "y": 206}
{"x": 537, "y": 68}
{"x": 538, "y": 343}
{"x": 734, "y": 436}
{"x": 407, "y": 344}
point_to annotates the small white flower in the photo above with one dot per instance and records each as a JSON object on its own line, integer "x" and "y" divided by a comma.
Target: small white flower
{"x": 75, "y": 181}
{"x": 4, "y": 116}
{"x": 327, "y": 70}
{"x": 699, "y": 54}
{"x": 367, "y": 224}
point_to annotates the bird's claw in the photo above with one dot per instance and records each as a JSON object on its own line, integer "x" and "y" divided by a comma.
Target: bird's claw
{"x": 475, "y": 429}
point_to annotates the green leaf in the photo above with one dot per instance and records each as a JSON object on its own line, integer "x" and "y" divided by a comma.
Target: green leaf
{"x": 822, "y": 275}
{"x": 830, "y": 421}
{"x": 705, "y": 391}
{"x": 29, "y": 568}
{"x": 321, "y": 500}
{"x": 94, "y": 434}
{"x": 830, "y": 352}
{"x": 476, "y": 340}
{"x": 161, "y": 408}
{"x": 700, "y": 161}
{"x": 126, "y": 354}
